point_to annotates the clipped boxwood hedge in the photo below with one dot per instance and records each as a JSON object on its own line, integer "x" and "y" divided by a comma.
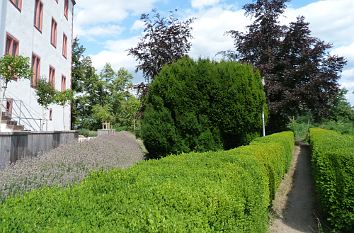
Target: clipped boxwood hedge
{"x": 226, "y": 191}
{"x": 333, "y": 165}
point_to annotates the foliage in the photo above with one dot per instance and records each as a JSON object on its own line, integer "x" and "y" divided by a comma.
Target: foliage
{"x": 68, "y": 164}
{"x": 109, "y": 89}
{"x": 165, "y": 40}
{"x": 45, "y": 93}
{"x": 63, "y": 97}
{"x": 102, "y": 113}
{"x": 202, "y": 105}
{"x": 332, "y": 161}
{"x": 344, "y": 127}
{"x": 341, "y": 109}
{"x": 207, "y": 192}
{"x": 300, "y": 75}
{"x": 301, "y": 125}
{"x": 87, "y": 133}
{"x": 14, "y": 67}
{"x": 126, "y": 118}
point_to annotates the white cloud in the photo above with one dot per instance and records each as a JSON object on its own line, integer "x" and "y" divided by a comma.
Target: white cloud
{"x": 203, "y": 3}
{"x": 330, "y": 20}
{"x": 347, "y": 52}
{"x": 209, "y": 31}
{"x": 100, "y": 30}
{"x": 116, "y": 54}
{"x": 90, "y": 13}
{"x": 138, "y": 25}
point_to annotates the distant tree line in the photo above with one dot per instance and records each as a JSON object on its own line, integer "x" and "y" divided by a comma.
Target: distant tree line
{"x": 100, "y": 97}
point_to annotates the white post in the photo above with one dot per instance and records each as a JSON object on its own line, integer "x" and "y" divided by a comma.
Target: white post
{"x": 1, "y": 102}
{"x": 263, "y": 121}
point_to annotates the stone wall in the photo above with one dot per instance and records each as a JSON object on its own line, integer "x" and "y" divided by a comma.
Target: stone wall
{"x": 18, "y": 145}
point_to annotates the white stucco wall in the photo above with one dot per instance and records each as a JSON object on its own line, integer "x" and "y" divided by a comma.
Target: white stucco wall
{"x": 21, "y": 26}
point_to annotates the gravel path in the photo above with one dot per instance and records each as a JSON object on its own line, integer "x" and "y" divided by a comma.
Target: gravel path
{"x": 293, "y": 206}
{"x": 70, "y": 163}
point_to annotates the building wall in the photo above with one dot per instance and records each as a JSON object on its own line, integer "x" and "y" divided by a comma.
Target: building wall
{"x": 20, "y": 24}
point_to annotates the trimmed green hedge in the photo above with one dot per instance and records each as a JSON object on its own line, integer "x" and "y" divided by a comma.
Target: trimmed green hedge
{"x": 226, "y": 191}
{"x": 333, "y": 165}
{"x": 202, "y": 106}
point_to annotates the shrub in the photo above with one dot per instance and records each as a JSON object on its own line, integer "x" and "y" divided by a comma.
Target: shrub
{"x": 87, "y": 133}
{"x": 201, "y": 106}
{"x": 69, "y": 164}
{"x": 225, "y": 191}
{"x": 332, "y": 161}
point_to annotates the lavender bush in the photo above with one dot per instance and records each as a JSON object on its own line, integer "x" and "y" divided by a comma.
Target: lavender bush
{"x": 69, "y": 163}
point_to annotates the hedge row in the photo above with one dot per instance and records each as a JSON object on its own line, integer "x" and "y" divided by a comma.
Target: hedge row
{"x": 226, "y": 191}
{"x": 333, "y": 166}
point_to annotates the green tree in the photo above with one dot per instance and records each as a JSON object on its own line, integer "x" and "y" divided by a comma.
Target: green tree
{"x": 63, "y": 98}
{"x": 45, "y": 93}
{"x": 126, "y": 117}
{"x": 14, "y": 67}
{"x": 102, "y": 113}
{"x": 202, "y": 105}
{"x": 341, "y": 109}
{"x": 85, "y": 89}
{"x": 98, "y": 96}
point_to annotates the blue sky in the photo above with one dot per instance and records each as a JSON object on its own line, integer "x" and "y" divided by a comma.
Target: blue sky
{"x": 108, "y": 28}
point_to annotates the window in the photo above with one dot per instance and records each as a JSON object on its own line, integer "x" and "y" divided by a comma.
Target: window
{"x": 50, "y": 114}
{"x": 65, "y": 46}
{"x": 36, "y": 66}
{"x": 66, "y": 8}
{"x": 17, "y": 4}
{"x": 53, "y": 35}
{"x": 12, "y": 45}
{"x": 63, "y": 83}
{"x": 52, "y": 76}
{"x": 38, "y": 15}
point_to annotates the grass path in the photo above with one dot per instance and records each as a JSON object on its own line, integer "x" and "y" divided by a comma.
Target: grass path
{"x": 293, "y": 207}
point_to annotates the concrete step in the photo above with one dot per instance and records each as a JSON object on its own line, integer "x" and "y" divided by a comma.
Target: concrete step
{"x": 5, "y": 117}
{"x": 19, "y": 128}
{"x": 12, "y": 122}
{"x": 16, "y": 127}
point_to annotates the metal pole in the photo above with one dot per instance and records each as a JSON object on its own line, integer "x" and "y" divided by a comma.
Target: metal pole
{"x": 263, "y": 121}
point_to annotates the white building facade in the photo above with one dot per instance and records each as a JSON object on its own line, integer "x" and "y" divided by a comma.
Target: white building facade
{"x": 43, "y": 31}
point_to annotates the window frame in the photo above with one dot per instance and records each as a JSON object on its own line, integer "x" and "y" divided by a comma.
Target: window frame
{"x": 36, "y": 60}
{"x": 52, "y": 76}
{"x": 54, "y": 33}
{"x": 63, "y": 83}
{"x": 38, "y": 5}
{"x": 65, "y": 46}
{"x": 50, "y": 114}
{"x": 18, "y": 5}
{"x": 12, "y": 39}
{"x": 66, "y": 9}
